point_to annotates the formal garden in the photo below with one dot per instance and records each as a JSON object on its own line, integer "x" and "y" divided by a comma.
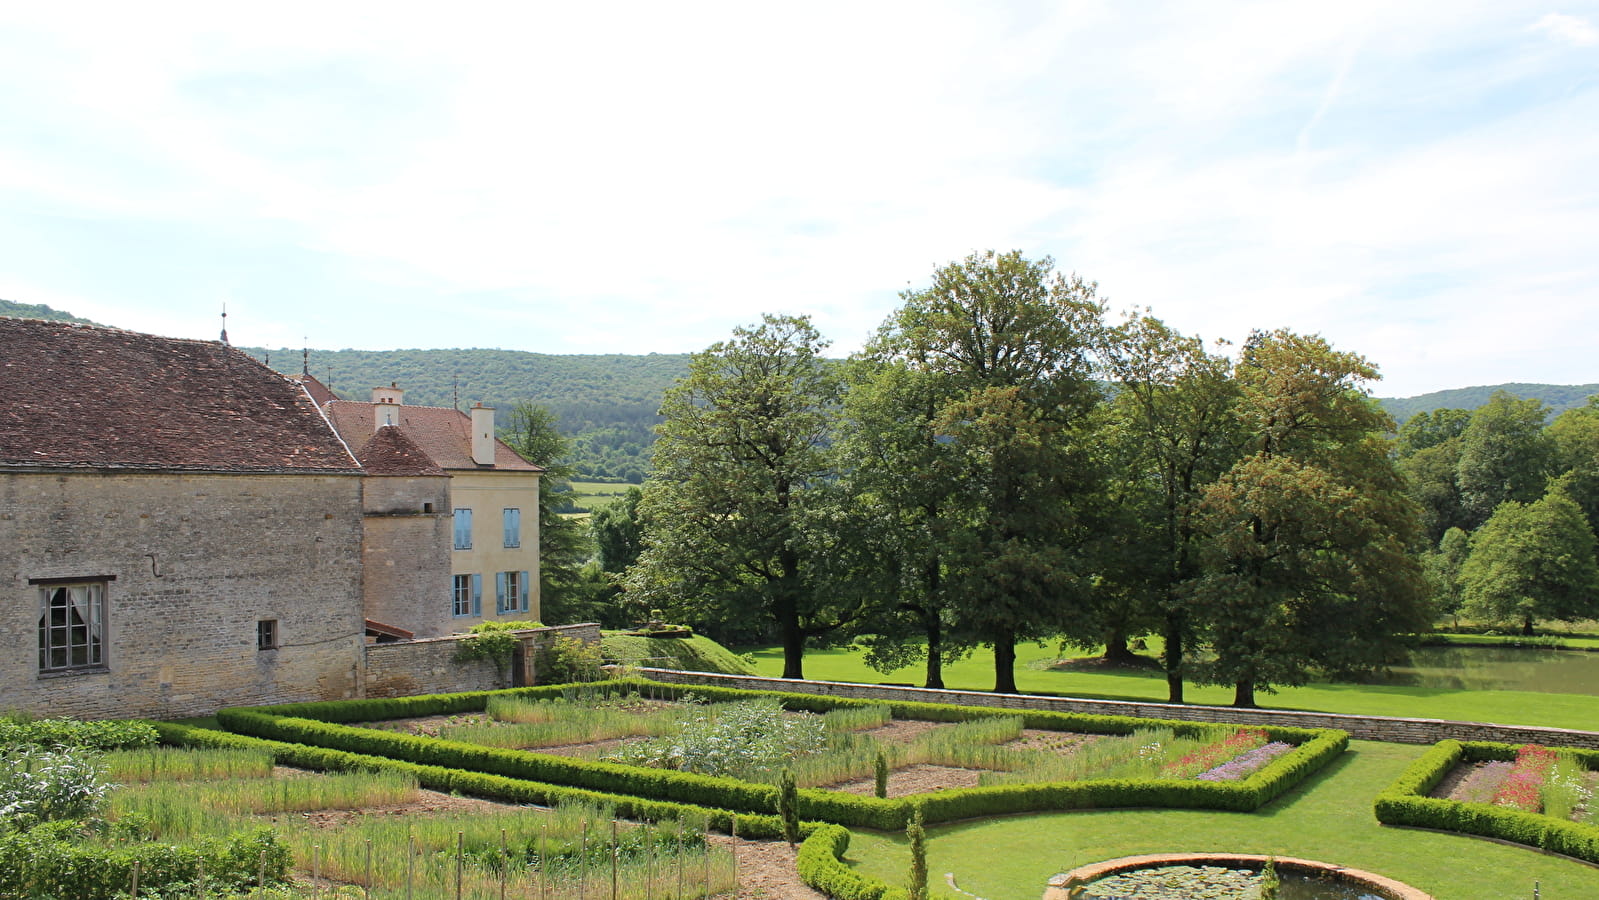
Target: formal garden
{"x": 632, "y": 788}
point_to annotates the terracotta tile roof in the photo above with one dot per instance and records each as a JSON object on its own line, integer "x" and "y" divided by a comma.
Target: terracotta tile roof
{"x": 444, "y": 434}
{"x": 79, "y": 396}
{"x": 319, "y": 392}
{"x": 392, "y": 452}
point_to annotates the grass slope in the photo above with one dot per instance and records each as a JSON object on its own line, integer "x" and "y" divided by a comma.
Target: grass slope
{"x": 1329, "y": 819}
{"x": 695, "y": 654}
{"x": 1033, "y": 675}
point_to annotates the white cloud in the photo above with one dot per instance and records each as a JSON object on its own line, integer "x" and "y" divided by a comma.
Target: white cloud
{"x": 1569, "y": 29}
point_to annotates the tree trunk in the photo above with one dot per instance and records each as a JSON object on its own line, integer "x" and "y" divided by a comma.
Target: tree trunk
{"x": 1116, "y": 648}
{"x": 1244, "y": 694}
{"x": 935, "y": 653}
{"x": 1005, "y": 664}
{"x": 786, "y": 612}
{"x": 1173, "y": 657}
{"x": 793, "y": 650}
{"x": 1526, "y": 626}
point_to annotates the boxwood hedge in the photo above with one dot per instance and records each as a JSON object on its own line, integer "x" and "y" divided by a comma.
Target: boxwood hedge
{"x": 1405, "y": 802}
{"x": 320, "y": 724}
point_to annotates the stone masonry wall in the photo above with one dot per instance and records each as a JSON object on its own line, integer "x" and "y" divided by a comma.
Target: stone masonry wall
{"x": 407, "y": 668}
{"x": 1369, "y": 728}
{"x": 406, "y": 554}
{"x": 195, "y": 562}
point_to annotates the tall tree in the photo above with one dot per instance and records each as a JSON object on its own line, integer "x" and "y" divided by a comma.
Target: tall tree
{"x": 1504, "y": 455}
{"x": 1575, "y": 436}
{"x": 1175, "y": 406}
{"x": 1531, "y": 562}
{"x": 1308, "y": 538}
{"x": 741, "y": 465}
{"x": 1007, "y": 341}
{"x": 904, "y": 482}
{"x": 563, "y": 544}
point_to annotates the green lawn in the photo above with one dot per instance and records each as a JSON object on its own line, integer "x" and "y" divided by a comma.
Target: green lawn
{"x": 1328, "y": 819}
{"x": 1033, "y": 675}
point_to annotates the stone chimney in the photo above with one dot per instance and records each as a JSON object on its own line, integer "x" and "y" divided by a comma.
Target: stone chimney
{"x": 386, "y": 403}
{"x": 483, "y": 435}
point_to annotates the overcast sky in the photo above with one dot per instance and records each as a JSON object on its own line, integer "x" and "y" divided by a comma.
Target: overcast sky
{"x": 1416, "y": 181}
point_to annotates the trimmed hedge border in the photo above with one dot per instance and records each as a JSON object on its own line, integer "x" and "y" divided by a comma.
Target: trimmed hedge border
{"x": 821, "y": 865}
{"x": 1405, "y": 802}
{"x": 320, "y": 725}
{"x": 477, "y": 784}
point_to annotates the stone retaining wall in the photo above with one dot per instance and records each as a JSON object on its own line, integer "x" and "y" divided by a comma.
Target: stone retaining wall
{"x": 428, "y": 666}
{"x": 1368, "y": 728}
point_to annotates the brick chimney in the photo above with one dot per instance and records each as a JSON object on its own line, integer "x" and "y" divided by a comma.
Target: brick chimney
{"x": 483, "y": 435}
{"x": 386, "y": 403}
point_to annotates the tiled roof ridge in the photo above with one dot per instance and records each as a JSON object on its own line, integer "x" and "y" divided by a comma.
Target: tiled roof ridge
{"x": 407, "y": 405}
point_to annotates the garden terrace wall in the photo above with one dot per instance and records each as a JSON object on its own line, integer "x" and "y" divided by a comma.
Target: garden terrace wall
{"x": 429, "y": 666}
{"x": 1369, "y": 728}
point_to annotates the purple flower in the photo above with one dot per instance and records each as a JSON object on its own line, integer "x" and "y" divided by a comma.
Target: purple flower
{"x": 1246, "y": 764}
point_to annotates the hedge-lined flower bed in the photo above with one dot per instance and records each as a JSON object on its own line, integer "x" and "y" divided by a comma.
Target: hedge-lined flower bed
{"x": 319, "y": 724}
{"x": 1406, "y": 802}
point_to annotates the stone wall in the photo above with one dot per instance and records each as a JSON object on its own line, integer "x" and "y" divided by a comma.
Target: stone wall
{"x": 1370, "y": 728}
{"x": 191, "y": 564}
{"x": 407, "y": 668}
{"x": 406, "y": 553}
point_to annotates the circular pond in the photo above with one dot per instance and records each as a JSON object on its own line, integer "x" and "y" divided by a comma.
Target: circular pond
{"x": 1216, "y": 876}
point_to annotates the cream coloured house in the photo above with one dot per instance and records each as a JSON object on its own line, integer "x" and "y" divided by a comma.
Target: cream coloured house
{"x": 490, "y": 500}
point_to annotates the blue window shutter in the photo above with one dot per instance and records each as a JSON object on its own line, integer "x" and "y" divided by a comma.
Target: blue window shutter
{"x": 463, "y": 529}
{"x": 524, "y": 597}
{"x": 513, "y": 527}
{"x": 500, "y": 599}
{"x": 477, "y": 595}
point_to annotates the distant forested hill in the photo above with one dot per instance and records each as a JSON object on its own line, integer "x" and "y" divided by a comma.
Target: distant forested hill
{"x": 606, "y": 404}
{"x": 38, "y": 311}
{"x": 1559, "y": 397}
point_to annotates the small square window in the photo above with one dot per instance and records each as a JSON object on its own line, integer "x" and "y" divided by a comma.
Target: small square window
{"x": 266, "y": 634}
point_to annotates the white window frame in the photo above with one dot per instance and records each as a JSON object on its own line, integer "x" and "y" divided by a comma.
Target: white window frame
{"x": 466, "y": 596}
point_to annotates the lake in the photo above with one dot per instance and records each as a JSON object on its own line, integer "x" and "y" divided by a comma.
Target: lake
{"x": 1497, "y": 669}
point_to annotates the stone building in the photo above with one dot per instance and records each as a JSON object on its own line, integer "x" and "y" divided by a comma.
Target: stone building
{"x": 180, "y": 528}
{"x": 490, "y": 550}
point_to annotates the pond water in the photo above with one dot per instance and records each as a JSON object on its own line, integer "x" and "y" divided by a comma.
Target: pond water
{"x": 1497, "y": 669}
{"x": 1218, "y": 883}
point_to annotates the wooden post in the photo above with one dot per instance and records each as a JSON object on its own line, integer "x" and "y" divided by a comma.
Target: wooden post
{"x": 460, "y": 860}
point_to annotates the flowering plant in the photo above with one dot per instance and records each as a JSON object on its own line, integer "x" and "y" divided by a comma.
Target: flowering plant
{"x": 1521, "y": 788}
{"x": 1214, "y": 754}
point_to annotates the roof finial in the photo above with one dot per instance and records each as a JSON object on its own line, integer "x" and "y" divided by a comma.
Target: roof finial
{"x": 305, "y": 356}
{"x": 224, "y": 323}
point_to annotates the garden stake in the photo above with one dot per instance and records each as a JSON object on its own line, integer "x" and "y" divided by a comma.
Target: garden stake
{"x": 544, "y": 861}
{"x": 260, "y": 872}
{"x": 615, "y": 852}
{"x": 732, "y": 849}
{"x": 460, "y": 850}
{"x": 135, "y": 880}
{"x": 366, "y": 889}
{"x": 316, "y": 869}
{"x": 649, "y": 867}
{"x": 505, "y": 863}
{"x": 410, "y": 861}
{"x": 200, "y": 876}
{"x": 583, "y": 863}
{"x": 680, "y": 858}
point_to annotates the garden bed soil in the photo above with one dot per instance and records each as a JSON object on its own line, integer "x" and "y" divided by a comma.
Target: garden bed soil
{"x": 914, "y": 780}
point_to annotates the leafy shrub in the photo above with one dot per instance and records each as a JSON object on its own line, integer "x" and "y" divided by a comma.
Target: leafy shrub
{"x": 43, "y": 785}
{"x": 745, "y": 739}
{"x": 56, "y": 734}
{"x": 44, "y": 863}
{"x": 569, "y": 659}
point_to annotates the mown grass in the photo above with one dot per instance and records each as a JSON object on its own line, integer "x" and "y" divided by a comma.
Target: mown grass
{"x": 1033, "y": 675}
{"x": 1329, "y": 819}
